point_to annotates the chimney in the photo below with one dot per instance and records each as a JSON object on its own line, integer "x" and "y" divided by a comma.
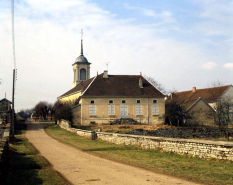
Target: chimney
{"x": 194, "y": 89}
{"x": 140, "y": 83}
{"x": 171, "y": 96}
{"x": 105, "y": 74}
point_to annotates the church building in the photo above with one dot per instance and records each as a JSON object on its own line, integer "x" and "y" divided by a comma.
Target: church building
{"x": 105, "y": 98}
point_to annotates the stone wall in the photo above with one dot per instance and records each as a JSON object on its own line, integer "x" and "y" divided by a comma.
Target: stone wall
{"x": 192, "y": 147}
{"x": 185, "y": 132}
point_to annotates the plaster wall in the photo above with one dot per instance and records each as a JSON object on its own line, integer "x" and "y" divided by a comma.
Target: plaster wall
{"x": 199, "y": 114}
{"x": 102, "y": 115}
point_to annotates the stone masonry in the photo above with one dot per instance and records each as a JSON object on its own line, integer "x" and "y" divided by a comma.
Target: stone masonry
{"x": 192, "y": 147}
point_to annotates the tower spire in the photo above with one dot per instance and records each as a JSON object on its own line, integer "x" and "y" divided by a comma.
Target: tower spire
{"x": 81, "y": 42}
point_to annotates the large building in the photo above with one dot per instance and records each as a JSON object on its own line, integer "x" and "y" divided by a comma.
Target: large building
{"x": 105, "y": 98}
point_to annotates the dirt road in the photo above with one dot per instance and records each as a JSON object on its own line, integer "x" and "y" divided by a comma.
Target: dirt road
{"x": 82, "y": 168}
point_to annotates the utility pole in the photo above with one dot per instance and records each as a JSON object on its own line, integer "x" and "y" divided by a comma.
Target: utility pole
{"x": 13, "y": 107}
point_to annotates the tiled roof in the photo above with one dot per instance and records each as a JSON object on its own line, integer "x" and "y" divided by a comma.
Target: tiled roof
{"x": 80, "y": 87}
{"x": 121, "y": 85}
{"x": 187, "y": 104}
{"x": 210, "y": 95}
{"x": 116, "y": 85}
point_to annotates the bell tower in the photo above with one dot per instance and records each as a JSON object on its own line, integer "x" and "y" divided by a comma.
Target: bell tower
{"x": 81, "y": 67}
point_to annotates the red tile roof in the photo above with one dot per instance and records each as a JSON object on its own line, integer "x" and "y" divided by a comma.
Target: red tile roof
{"x": 117, "y": 85}
{"x": 210, "y": 95}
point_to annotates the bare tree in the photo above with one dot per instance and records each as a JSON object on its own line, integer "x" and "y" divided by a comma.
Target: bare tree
{"x": 224, "y": 114}
{"x": 155, "y": 83}
{"x": 41, "y": 110}
{"x": 62, "y": 111}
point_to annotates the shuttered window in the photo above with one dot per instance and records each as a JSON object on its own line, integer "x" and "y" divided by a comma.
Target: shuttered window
{"x": 138, "y": 110}
{"x": 92, "y": 110}
{"x": 110, "y": 110}
{"x": 124, "y": 111}
{"x": 155, "y": 109}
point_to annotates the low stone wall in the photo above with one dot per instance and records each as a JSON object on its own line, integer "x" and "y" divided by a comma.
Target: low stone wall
{"x": 64, "y": 124}
{"x": 85, "y": 133}
{"x": 193, "y": 147}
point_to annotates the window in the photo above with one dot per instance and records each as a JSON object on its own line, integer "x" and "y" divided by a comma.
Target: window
{"x": 155, "y": 109}
{"x": 138, "y": 110}
{"x": 92, "y": 101}
{"x": 110, "y": 110}
{"x": 123, "y": 101}
{"x": 154, "y": 101}
{"x": 110, "y": 101}
{"x": 124, "y": 111}
{"x": 92, "y": 110}
{"x": 138, "y": 101}
{"x": 83, "y": 74}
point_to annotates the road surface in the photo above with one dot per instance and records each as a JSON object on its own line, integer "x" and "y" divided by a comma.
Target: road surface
{"x": 82, "y": 168}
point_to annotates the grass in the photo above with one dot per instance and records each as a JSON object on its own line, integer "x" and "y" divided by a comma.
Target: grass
{"x": 186, "y": 167}
{"x": 24, "y": 165}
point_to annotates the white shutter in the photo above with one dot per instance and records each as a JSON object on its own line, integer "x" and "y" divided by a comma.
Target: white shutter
{"x": 92, "y": 110}
{"x": 111, "y": 110}
{"x": 138, "y": 110}
{"x": 124, "y": 111}
{"x": 155, "y": 109}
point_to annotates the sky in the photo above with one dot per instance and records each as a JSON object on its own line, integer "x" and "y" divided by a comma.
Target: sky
{"x": 179, "y": 43}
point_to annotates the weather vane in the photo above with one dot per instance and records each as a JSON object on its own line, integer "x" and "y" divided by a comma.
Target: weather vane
{"x": 81, "y": 34}
{"x": 107, "y": 65}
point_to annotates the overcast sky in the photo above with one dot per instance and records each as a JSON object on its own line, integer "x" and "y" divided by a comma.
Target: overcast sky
{"x": 180, "y": 43}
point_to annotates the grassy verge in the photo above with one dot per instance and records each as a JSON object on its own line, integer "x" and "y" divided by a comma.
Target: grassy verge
{"x": 195, "y": 169}
{"x": 25, "y": 166}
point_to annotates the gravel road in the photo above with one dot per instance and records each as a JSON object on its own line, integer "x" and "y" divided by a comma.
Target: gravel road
{"x": 82, "y": 168}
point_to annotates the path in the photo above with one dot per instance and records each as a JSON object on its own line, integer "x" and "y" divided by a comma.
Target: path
{"x": 82, "y": 168}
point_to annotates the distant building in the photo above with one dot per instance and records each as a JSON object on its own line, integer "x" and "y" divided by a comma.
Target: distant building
{"x": 5, "y": 108}
{"x": 199, "y": 102}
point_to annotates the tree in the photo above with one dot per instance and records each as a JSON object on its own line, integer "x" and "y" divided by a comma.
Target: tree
{"x": 224, "y": 115}
{"x": 173, "y": 113}
{"x": 41, "y": 110}
{"x": 155, "y": 83}
{"x": 25, "y": 113}
{"x": 62, "y": 111}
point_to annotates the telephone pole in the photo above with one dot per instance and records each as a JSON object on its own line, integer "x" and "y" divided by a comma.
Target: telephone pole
{"x": 13, "y": 107}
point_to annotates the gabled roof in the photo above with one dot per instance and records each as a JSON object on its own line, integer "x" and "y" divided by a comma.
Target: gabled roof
{"x": 210, "y": 95}
{"x": 188, "y": 104}
{"x": 4, "y": 99}
{"x": 116, "y": 85}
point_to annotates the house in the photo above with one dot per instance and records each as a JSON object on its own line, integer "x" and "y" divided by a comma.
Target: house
{"x": 105, "y": 98}
{"x": 5, "y": 108}
{"x": 200, "y": 103}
